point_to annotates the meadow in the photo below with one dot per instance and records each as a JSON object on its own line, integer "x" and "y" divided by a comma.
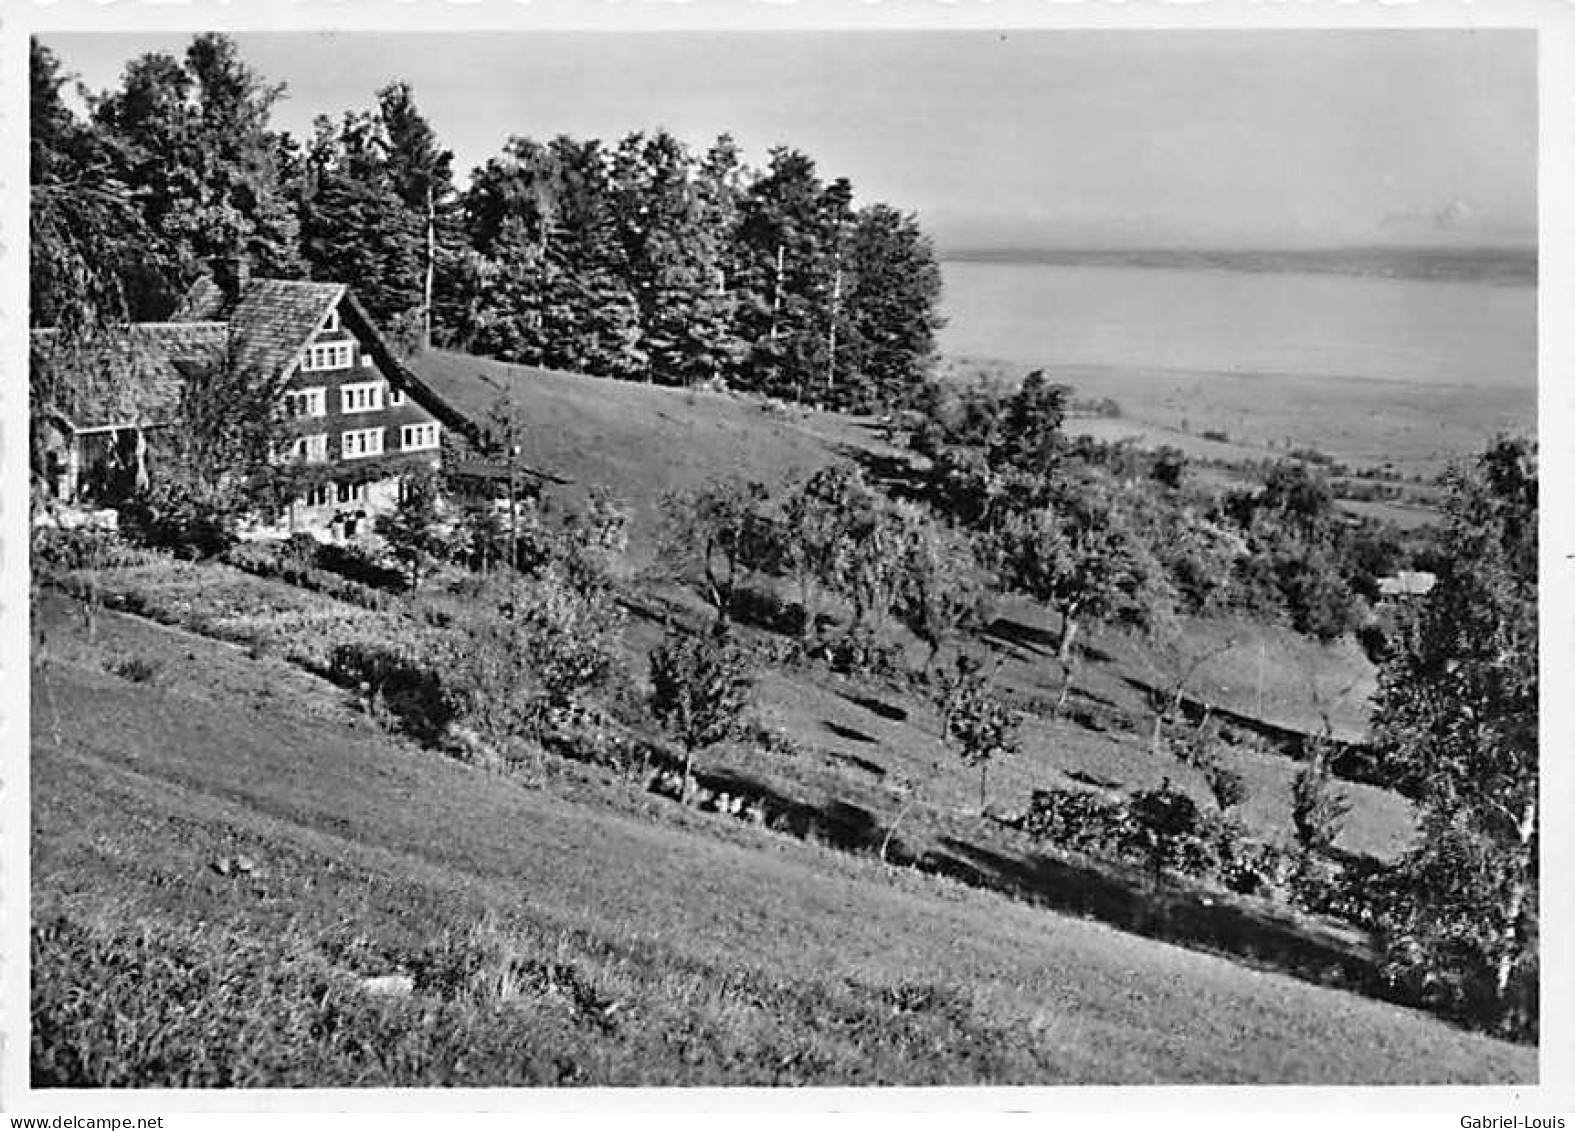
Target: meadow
{"x": 216, "y": 728}
{"x": 268, "y": 859}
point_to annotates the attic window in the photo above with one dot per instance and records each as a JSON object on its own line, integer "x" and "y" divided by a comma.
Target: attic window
{"x": 334, "y": 355}
{"x": 333, "y": 320}
{"x": 396, "y": 397}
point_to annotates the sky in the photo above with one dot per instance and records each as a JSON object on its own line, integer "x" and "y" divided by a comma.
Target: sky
{"x": 1034, "y": 138}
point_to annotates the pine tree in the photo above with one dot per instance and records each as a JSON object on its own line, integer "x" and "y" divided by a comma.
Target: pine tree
{"x": 891, "y": 308}
{"x": 354, "y": 224}
{"x": 673, "y": 239}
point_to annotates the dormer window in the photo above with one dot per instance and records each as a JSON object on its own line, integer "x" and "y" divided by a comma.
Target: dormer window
{"x": 332, "y": 325}
{"x": 331, "y": 355}
{"x": 396, "y": 397}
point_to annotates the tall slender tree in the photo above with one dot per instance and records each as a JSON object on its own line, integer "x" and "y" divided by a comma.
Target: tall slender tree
{"x": 1456, "y": 724}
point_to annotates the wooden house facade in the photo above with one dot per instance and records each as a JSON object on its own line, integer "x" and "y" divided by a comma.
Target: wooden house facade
{"x": 358, "y": 421}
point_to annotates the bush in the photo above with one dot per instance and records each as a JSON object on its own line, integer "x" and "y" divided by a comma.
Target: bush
{"x": 183, "y": 519}
{"x": 1169, "y": 832}
{"x": 135, "y": 669}
{"x": 409, "y": 686}
{"x": 84, "y": 549}
{"x": 1251, "y": 868}
{"x": 1078, "y": 820}
{"x": 359, "y": 564}
{"x": 860, "y": 652}
{"x": 526, "y": 664}
{"x": 1318, "y": 809}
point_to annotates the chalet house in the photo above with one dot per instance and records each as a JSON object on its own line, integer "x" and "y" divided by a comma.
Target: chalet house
{"x": 351, "y": 405}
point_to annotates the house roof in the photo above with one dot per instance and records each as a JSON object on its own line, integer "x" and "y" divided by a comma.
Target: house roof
{"x": 136, "y": 378}
{"x": 420, "y": 390}
{"x": 120, "y": 379}
{"x": 272, "y": 321}
{"x": 483, "y": 469}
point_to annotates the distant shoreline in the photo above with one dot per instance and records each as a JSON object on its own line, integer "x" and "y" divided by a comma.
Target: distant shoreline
{"x": 1504, "y": 266}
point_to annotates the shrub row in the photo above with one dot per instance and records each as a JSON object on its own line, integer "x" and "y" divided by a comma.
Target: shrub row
{"x": 1162, "y": 829}
{"x": 285, "y": 563}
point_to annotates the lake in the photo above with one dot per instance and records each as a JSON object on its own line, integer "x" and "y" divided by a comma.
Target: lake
{"x": 1305, "y": 325}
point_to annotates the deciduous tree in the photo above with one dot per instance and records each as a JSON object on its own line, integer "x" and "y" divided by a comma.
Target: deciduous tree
{"x": 1456, "y": 727}
{"x": 699, "y": 690}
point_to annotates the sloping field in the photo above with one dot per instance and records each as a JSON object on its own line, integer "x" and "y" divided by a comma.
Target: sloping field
{"x": 639, "y": 441}
{"x": 715, "y": 953}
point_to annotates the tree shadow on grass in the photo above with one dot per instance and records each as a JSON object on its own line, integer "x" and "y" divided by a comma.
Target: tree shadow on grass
{"x": 893, "y": 473}
{"x": 887, "y": 711}
{"x": 1170, "y": 913}
{"x": 848, "y": 827}
{"x": 858, "y": 763}
{"x": 1037, "y": 641}
{"x": 847, "y": 733}
{"x": 1093, "y": 780}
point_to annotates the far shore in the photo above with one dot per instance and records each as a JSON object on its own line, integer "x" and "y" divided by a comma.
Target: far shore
{"x": 1507, "y": 265}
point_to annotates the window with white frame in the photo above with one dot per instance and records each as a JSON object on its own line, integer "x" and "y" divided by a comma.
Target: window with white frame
{"x": 363, "y": 396}
{"x": 311, "y": 449}
{"x": 414, "y": 437}
{"x": 361, "y": 443}
{"x": 305, "y": 402}
{"x": 328, "y": 355}
{"x": 352, "y": 492}
{"x": 396, "y": 397}
{"x": 333, "y": 320}
{"x": 317, "y": 496}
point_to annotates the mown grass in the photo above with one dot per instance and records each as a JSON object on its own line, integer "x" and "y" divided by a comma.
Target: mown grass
{"x": 731, "y": 954}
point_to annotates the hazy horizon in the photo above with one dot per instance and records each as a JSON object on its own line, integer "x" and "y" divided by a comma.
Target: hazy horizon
{"x": 1041, "y": 139}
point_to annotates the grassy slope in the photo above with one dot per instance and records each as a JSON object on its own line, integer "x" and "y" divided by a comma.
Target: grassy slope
{"x": 138, "y": 787}
{"x": 638, "y": 441}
